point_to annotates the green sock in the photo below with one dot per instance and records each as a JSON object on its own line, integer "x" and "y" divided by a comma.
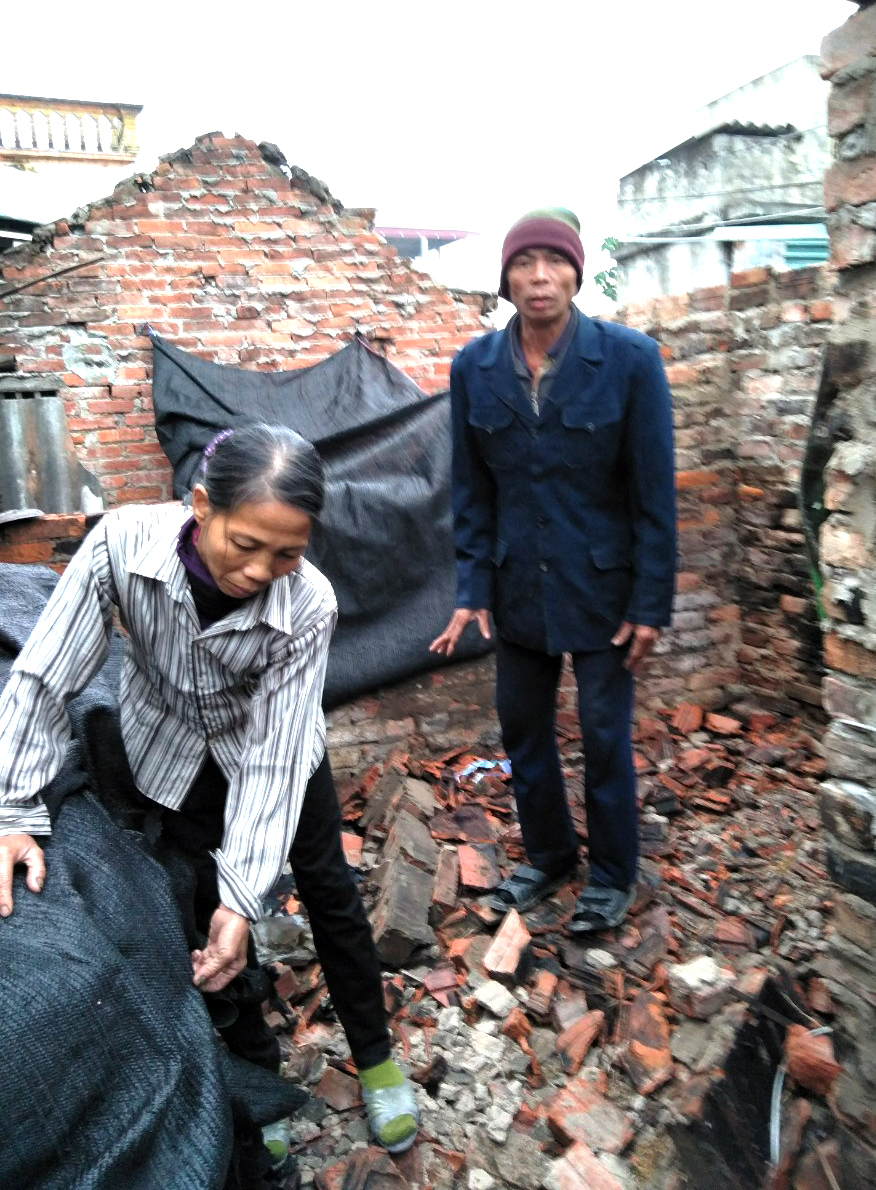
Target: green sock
{"x": 377, "y": 1078}
{"x": 389, "y": 1129}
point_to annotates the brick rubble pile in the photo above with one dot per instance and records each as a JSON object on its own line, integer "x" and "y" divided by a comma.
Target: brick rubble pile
{"x": 638, "y": 1057}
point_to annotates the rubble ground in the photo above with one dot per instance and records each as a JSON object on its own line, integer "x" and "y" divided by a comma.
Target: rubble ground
{"x": 641, "y": 1057}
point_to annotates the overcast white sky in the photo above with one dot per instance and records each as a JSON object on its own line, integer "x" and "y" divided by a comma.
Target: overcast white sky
{"x": 458, "y": 114}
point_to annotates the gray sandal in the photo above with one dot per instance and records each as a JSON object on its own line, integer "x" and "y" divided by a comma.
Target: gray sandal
{"x": 525, "y": 887}
{"x": 599, "y": 908}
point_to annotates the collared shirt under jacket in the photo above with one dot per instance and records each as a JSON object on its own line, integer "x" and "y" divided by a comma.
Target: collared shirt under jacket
{"x": 247, "y": 690}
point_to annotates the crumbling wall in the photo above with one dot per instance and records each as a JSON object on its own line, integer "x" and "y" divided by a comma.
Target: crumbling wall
{"x": 744, "y": 363}
{"x": 230, "y": 253}
{"x": 849, "y": 570}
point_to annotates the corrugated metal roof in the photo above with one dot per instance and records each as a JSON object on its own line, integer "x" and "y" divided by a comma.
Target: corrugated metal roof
{"x": 38, "y": 465}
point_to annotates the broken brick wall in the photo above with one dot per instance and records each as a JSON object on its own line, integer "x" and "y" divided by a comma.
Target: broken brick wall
{"x": 848, "y": 565}
{"x": 233, "y": 255}
{"x": 744, "y": 363}
{"x": 229, "y": 253}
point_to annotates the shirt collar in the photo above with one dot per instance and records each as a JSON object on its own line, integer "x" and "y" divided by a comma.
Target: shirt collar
{"x": 556, "y": 350}
{"x": 158, "y": 559}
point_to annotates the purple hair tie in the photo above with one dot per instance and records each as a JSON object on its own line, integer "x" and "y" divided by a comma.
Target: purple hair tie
{"x": 210, "y": 448}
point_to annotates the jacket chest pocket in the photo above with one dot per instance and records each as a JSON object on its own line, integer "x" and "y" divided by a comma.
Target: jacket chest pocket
{"x": 501, "y": 439}
{"x": 591, "y": 436}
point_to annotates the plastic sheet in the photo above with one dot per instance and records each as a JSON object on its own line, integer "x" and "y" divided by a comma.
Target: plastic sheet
{"x": 385, "y": 540}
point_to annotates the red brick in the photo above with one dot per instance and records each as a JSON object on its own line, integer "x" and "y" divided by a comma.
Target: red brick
{"x": 685, "y": 480}
{"x": 809, "y": 1059}
{"x": 156, "y": 226}
{"x": 723, "y": 724}
{"x": 574, "y": 1043}
{"x": 849, "y": 656}
{"x": 31, "y": 551}
{"x": 851, "y": 42}
{"x": 352, "y": 845}
{"x": 848, "y": 105}
{"x": 477, "y": 869}
{"x": 748, "y": 277}
{"x": 852, "y": 182}
{"x": 371, "y": 1167}
{"x": 446, "y": 883}
{"x": 538, "y": 1003}
{"x": 580, "y": 1169}
{"x": 852, "y": 245}
{"x": 509, "y": 950}
{"x": 687, "y": 718}
{"x": 643, "y": 1027}
{"x": 340, "y": 1091}
{"x": 821, "y": 310}
{"x": 578, "y": 1112}
{"x": 51, "y": 527}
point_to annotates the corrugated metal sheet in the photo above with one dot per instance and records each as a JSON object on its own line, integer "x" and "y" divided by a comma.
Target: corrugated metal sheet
{"x": 38, "y": 463}
{"x": 800, "y": 253}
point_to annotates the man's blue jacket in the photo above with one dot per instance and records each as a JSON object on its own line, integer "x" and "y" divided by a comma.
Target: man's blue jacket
{"x": 565, "y": 522}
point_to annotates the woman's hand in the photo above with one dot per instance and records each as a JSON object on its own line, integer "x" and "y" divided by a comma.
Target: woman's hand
{"x": 224, "y": 956}
{"x": 19, "y": 849}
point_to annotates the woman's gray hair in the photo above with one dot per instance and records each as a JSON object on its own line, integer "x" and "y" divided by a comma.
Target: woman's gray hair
{"x": 256, "y": 463}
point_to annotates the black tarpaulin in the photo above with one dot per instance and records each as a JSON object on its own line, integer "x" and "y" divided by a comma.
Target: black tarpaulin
{"x": 385, "y": 539}
{"x": 112, "y": 1076}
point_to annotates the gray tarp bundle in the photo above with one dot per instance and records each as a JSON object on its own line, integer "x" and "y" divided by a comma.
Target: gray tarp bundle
{"x": 111, "y": 1077}
{"x": 385, "y": 539}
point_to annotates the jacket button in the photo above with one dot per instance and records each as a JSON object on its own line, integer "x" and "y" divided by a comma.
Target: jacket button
{"x": 533, "y": 432}
{"x": 590, "y": 427}
{"x": 543, "y": 566}
{"x": 540, "y": 522}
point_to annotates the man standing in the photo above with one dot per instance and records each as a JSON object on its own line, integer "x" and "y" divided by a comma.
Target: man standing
{"x": 564, "y": 507}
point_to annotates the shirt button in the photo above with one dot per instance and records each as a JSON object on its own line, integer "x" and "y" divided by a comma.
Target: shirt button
{"x": 543, "y": 566}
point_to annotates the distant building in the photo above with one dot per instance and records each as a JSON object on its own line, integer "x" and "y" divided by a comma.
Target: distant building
{"x": 415, "y": 243}
{"x": 56, "y": 154}
{"x": 744, "y": 190}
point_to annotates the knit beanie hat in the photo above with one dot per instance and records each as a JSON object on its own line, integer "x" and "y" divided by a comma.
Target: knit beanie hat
{"x": 545, "y": 227}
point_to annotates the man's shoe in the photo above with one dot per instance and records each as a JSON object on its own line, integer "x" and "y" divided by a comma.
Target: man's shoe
{"x": 393, "y": 1115}
{"x": 526, "y": 886}
{"x": 600, "y": 908}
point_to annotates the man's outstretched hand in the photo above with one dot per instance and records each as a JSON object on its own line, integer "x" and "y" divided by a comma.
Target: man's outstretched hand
{"x": 644, "y": 638}
{"x": 447, "y": 641}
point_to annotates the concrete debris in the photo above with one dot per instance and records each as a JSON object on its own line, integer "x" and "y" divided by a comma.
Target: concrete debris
{"x": 639, "y": 1059}
{"x": 496, "y": 998}
{"x": 699, "y": 988}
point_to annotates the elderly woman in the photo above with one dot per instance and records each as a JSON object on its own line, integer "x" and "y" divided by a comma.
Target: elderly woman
{"x": 228, "y": 632}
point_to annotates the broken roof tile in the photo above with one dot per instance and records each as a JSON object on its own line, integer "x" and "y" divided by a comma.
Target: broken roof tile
{"x": 508, "y": 955}
{"x": 478, "y": 869}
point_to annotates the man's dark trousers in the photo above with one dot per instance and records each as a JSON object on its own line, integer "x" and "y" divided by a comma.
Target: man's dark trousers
{"x": 526, "y": 691}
